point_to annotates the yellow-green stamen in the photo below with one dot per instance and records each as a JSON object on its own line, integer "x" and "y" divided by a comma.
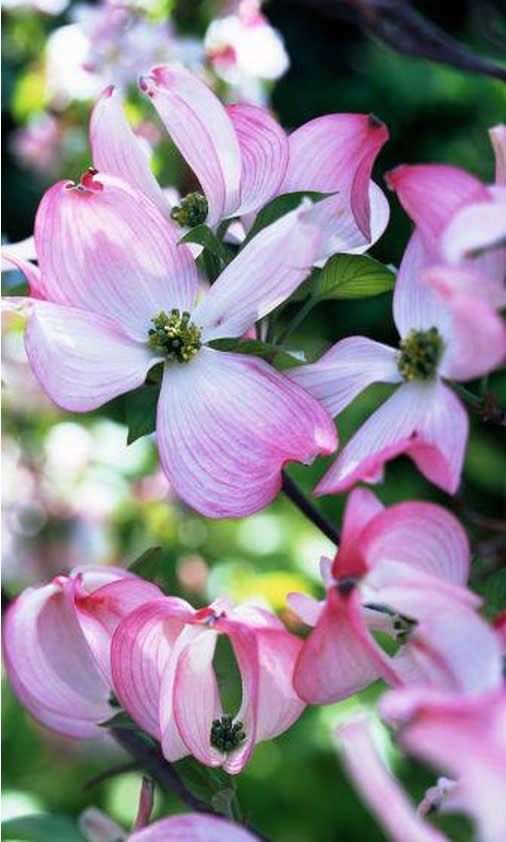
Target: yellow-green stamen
{"x": 175, "y": 336}
{"x": 420, "y": 354}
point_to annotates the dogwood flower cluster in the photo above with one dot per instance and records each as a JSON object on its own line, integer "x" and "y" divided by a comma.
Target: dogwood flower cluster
{"x": 117, "y": 295}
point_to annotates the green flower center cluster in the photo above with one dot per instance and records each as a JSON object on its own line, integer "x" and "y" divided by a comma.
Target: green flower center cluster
{"x": 420, "y": 354}
{"x": 175, "y": 335}
{"x": 192, "y": 211}
{"x": 226, "y": 736}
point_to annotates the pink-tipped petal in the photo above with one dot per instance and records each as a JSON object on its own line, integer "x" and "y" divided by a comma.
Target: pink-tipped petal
{"x": 425, "y": 421}
{"x": 434, "y": 654}
{"x": 140, "y": 650}
{"x": 101, "y": 611}
{"x": 117, "y": 151}
{"x": 416, "y": 305}
{"x": 244, "y": 639}
{"x": 195, "y": 696}
{"x": 202, "y": 131}
{"x": 226, "y": 426}
{"x": 477, "y": 341}
{"x": 362, "y": 507}
{"x": 262, "y": 275}
{"x": 264, "y": 154}
{"x": 450, "y": 281}
{"x": 346, "y": 370}
{"x": 107, "y": 249}
{"x": 193, "y": 828}
{"x": 479, "y": 226}
{"x": 498, "y": 140}
{"x": 49, "y": 663}
{"x": 422, "y": 535}
{"x": 336, "y": 153}
{"x": 339, "y": 657}
{"x": 379, "y": 789}
{"x": 431, "y": 193}
{"x": 278, "y": 705}
{"x": 81, "y": 359}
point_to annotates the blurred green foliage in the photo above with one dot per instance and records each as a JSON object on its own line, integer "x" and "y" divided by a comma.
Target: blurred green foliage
{"x": 294, "y": 789}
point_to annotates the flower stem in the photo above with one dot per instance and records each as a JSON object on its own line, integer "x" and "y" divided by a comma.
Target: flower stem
{"x": 470, "y": 398}
{"x": 297, "y": 320}
{"x": 298, "y": 498}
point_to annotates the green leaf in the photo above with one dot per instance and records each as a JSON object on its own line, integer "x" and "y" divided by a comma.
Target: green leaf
{"x": 492, "y": 589}
{"x": 41, "y": 828}
{"x": 213, "y": 786}
{"x": 140, "y": 411}
{"x": 266, "y": 350}
{"x": 278, "y": 207}
{"x": 351, "y": 276}
{"x": 149, "y": 565}
{"x": 203, "y": 236}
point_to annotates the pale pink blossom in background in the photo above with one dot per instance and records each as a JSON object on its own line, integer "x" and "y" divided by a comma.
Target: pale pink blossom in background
{"x": 48, "y": 7}
{"x": 423, "y": 418}
{"x": 377, "y": 787}
{"x": 243, "y": 158}
{"x": 466, "y": 739}
{"x": 57, "y": 640}
{"x": 246, "y": 51}
{"x": 163, "y": 674}
{"x": 38, "y": 145}
{"x": 401, "y": 571}
{"x": 109, "y": 263}
{"x": 462, "y": 222}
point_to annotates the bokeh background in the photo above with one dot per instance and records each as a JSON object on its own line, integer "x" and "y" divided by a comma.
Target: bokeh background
{"x": 75, "y": 493}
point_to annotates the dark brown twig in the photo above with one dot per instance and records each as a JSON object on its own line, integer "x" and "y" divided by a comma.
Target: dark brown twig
{"x": 400, "y": 26}
{"x": 293, "y": 492}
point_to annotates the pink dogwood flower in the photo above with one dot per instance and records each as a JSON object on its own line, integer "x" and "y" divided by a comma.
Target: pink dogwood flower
{"x": 193, "y": 828}
{"x": 115, "y": 293}
{"x": 162, "y": 666}
{"x": 400, "y": 571}
{"x": 190, "y": 827}
{"x": 462, "y": 221}
{"x": 242, "y": 158}
{"x": 57, "y": 640}
{"x": 464, "y": 737}
{"x": 423, "y": 418}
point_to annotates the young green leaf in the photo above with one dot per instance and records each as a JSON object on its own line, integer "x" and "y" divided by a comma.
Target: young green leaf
{"x": 351, "y": 276}
{"x": 213, "y": 786}
{"x": 203, "y": 236}
{"x": 140, "y": 411}
{"x": 41, "y": 828}
{"x": 280, "y": 206}
{"x": 149, "y": 565}
{"x": 275, "y": 354}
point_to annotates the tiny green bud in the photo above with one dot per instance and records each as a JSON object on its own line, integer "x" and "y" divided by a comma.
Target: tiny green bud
{"x": 191, "y": 212}
{"x": 225, "y": 735}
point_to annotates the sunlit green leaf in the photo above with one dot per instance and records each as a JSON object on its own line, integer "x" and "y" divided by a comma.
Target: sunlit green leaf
{"x": 351, "y": 276}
